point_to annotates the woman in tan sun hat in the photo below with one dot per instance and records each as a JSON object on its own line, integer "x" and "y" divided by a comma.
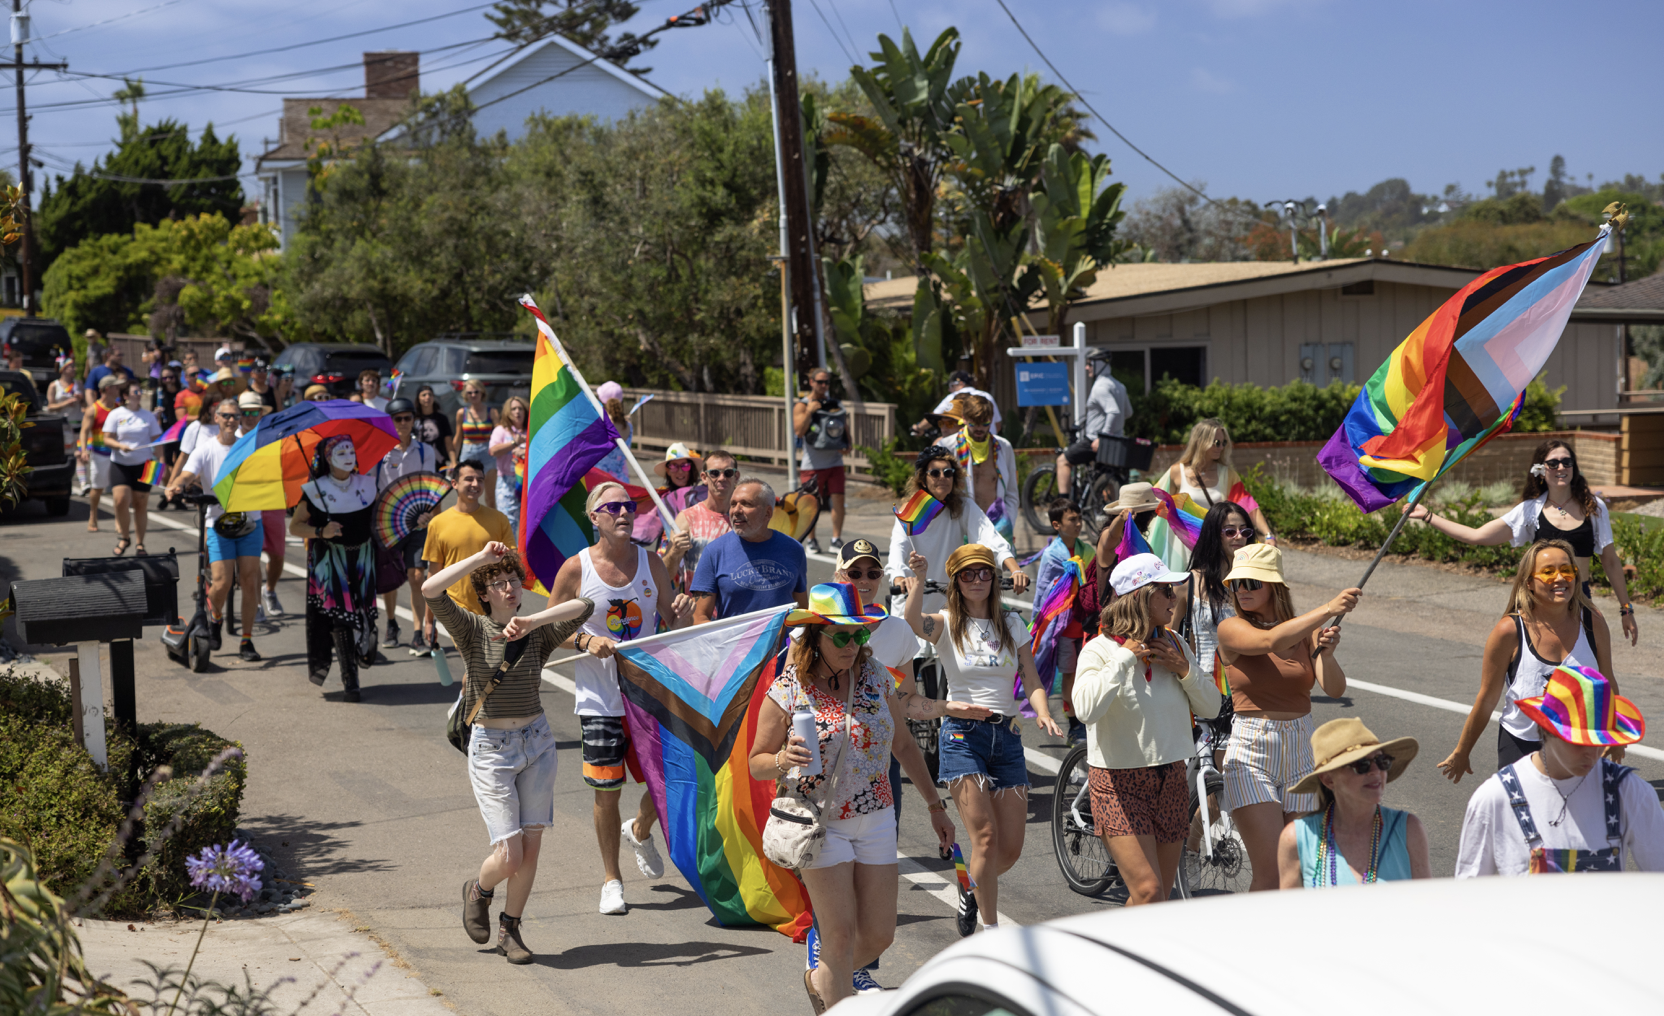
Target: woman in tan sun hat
{"x": 1273, "y": 658}
{"x": 1352, "y": 839}
{"x": 1096, "y": 592}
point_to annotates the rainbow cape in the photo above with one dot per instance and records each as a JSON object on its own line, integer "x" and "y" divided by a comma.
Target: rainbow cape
{"x": 691, "y": 699}
{"x": 1052, "y": 613}
{"x": 1457, "y": 380}
{"x": 918, "y": 513}
{"x": 569, "y": 435}
{"x": 153, "y": 473}
{"x": 1172, "y": 533}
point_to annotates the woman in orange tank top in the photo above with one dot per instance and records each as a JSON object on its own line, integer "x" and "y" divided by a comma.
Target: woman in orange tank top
{"x": 1273, "y": 659}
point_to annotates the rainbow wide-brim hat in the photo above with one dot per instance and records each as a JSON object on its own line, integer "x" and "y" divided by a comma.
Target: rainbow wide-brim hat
{"x": 836, "y": 603}
{"x": 1580, "y": 705}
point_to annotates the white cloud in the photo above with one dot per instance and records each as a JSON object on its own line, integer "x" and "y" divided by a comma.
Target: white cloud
{"x": 1125, "y": 19}
{"x": 1204, "y": 81}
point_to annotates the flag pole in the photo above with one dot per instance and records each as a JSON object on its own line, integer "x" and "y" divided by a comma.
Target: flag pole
{"x": 600, "y": 410}
{"x": 1403, "y": 517}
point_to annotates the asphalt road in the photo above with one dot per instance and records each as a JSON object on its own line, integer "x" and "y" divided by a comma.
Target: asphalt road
{"x": 371, "y": 804}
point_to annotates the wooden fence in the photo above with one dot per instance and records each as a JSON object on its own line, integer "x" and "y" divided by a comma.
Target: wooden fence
{"x": 753, "y": 426}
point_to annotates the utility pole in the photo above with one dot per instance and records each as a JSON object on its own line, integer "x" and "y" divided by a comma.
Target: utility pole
{"x": 26, "y": 268}
{"x": 794, "y": 192}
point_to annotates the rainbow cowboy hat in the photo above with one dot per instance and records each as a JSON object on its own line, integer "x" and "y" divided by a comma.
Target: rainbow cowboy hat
{"x": 1580, "y": 706}
{"x": 836, "y": 603}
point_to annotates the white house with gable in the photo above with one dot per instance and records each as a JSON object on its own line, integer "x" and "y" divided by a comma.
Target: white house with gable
{"x": 552, "y": 76}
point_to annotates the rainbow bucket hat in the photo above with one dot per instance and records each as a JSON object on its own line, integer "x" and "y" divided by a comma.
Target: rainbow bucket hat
{"x": 1580, "y": 706}
{"x": 836, "y": 603}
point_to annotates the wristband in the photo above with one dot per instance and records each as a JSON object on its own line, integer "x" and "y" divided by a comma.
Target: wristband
{"x": 940, "y": 805}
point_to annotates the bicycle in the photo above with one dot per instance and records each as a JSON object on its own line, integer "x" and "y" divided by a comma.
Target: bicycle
{"x": 1091, "y": 486}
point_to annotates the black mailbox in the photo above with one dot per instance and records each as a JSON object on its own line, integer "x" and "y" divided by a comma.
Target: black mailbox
{"x": 161, "y": 580}
{"x": 81, "y": 608}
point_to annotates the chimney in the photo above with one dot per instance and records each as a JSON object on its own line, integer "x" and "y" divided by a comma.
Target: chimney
{"x": 391, "y": 75}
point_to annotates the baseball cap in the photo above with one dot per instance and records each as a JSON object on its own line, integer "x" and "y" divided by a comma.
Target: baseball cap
{"x": 849, "y": 552}
{"x": 223, "y": 353}
{"x": 1140, "y": 570}
{"x": 110, "y": 381}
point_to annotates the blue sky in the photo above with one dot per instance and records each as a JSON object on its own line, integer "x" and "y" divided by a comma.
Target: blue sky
{"x": 1262, "y": 99}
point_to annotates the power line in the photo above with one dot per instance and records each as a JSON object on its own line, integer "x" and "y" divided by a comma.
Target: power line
{"x": 834, "y": 32}
{"x": 840, "y": 17}
{"x": 106, "y": 21}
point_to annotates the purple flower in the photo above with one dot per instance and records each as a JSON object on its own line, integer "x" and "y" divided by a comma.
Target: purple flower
{"x": 230, "y": 869}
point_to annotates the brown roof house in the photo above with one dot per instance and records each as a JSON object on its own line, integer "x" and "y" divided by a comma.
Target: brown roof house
{"x": 390, "y": 82}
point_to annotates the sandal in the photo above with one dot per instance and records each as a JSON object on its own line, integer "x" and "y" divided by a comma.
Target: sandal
{"x": 122, "y": 543}
{"x": 815, "y": 1000}
{"x": 139, "y": 551}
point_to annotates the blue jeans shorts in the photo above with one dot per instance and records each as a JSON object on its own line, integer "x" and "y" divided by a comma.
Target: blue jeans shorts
{"x": 513, "y": 773}
{"x": 221, "y": 548}
{"x": 990, "y": 753}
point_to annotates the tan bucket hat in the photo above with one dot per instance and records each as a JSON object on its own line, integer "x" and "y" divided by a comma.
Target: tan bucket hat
{"x": 1344, "y": 741}
{"x": 1134, "y": 497}
{"x": 1258, "y": 561}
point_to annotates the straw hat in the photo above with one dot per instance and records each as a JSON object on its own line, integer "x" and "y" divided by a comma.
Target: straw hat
{"x": 678, "y": 452}
{"x": 1258, "y": 561}
{"x": 1341, "y": 742}
{"x": 968, "y": 554}
{"x": 223, "y": 374}
{"x": 836, "y": 603}
{"x": 1135, "y": 497}
{"x": 312, "y": 390}
{"x": 1580, "y": 706}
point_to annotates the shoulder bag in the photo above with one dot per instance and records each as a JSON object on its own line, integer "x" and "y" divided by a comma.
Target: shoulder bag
{"x": 459, "y": 730}
{"x": 796, "y": 830}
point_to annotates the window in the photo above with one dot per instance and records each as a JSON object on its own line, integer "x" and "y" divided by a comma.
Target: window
{"x": 500, "y": 361}
{"x": 351, "y": 361}
{"x": 1185, "y": 364}
{"x": 417, "y": 362}
{"x": 1127, "y": 365}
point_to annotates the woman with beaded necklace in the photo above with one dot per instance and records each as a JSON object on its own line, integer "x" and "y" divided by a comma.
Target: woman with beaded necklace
{"x": 1352, "y": 839}
{"x": 333, "y": 516}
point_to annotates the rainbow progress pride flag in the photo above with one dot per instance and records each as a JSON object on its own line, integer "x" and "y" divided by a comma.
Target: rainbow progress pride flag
{"x": 568, "y": 436}
{"x": 1456, "y": 381}
{"x": 691, "y": 698}
{"x": 920, "y": 510}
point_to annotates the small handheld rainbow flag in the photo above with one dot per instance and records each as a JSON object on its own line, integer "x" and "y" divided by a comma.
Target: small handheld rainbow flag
{"x": 152, "y": 473}
{"x": 1183, "y": 515}
{"x": 175, "y": 432}
{"x": 959, "y": 869}
{"x": 392, "y": 382}
{"x": 245, "y": 365}
{"x": 1221, "y": 680}
{"x": 918, "y": 513}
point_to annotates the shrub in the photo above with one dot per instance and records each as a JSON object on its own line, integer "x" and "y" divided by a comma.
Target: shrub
{"x": 1295, "y": 412}
{"x": 1641, "y": 545}
{"x": 889, "y": 468}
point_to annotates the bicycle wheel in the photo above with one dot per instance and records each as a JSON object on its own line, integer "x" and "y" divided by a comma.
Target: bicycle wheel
{"x": 1103, "y": 491}
{"x": 1225, "y": 867}
{"x": 927, "y": 733}
{"x": 1038, "y": 491}
{"x": 1081, "y": 854}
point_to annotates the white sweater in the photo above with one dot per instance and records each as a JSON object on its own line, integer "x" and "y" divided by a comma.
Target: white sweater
{"x": 1133, "y": 723}
{"x": 942, "y": 537}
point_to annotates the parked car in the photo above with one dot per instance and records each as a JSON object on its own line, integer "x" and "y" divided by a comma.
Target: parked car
{"x": 51, "y": 471}
{"x": 500, "y": 362}
{"x": 1398, "y": 958}
{"x": 42, "y": 341}
{"x": 335, "y": 365}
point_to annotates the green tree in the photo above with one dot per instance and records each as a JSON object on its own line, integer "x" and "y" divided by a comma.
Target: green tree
{"x": 111, "y": 196}
{"x": 1077, "y": 212}
{"x": 585, "y": 22}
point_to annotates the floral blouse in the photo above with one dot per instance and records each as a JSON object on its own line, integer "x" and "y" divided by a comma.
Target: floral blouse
{"x": 864, "y": 786}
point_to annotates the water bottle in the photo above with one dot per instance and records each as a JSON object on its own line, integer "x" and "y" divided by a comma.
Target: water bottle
{"x": 803, "y": 725}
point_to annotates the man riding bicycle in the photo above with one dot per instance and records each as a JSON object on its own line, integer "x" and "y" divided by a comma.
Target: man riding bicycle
{"x": 1108, "y": 408}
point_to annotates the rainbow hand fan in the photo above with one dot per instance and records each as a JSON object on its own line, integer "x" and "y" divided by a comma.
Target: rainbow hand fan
{"x": 397, "y": 507}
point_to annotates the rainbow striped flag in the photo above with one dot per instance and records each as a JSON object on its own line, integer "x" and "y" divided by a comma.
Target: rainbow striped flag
{"x": 245, "y": 365}
{"x": 1052, "y": 613}
{"x": 153, "y": 473}
{"x": 918, "y": 513}
{"x": 392, "y": 382}
{"x": 569, "y": 435}
{"x": 1182, "y": 515}
{"x": 1457, "y": 380}
{"x": 177, "y": 431}
{"x": 961, "y": 870}
{"x": 691, "y": 699}
{"x": 1132, "y": 541}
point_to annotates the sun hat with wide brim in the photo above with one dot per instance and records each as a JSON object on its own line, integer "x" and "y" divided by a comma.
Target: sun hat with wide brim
{"x": 1580, "y": 705}
{"x": 677, "y": 453}
{"x": 1134, "y": 497}
{"x": 836, "y": 603}
{"x": 1258, "y": 561}
{"x": 223, "y": 374}
{"x": 1344, "y": 741}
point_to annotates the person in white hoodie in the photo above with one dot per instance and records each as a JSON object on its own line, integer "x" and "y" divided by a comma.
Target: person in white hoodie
{"x": 937, "y": 473}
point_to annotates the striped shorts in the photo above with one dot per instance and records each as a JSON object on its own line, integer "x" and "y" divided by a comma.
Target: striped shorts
{"x": 605, "y": 744}
{"x": 1266, "y": 757}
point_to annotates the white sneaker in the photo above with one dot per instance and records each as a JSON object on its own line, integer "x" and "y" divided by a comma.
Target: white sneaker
{"x": 647, "y": 855}
{"x": 273, "y": 608}
{"x": 612, "y": 898}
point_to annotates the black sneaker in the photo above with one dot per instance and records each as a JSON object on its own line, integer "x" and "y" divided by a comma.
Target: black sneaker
{"x": 837, "y": 544}
{"x": 246, "y": 653}
{"x": 215, "y": 626}
{"x": 966, "y": 917}
{"x": 812, "y": 545}
{"x": 350, "y": 695}
{"x": 392, "y": 639}
{"x": 1077, "y": 731}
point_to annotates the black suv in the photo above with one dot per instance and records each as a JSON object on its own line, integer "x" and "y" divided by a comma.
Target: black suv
{"x": 42, "y": 341}
{"x": 51, "y": 471}
{"x": 499, "y": 361}
{"x": 335, "y": 365}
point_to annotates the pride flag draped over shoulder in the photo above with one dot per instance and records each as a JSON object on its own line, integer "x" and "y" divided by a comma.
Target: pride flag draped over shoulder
{"x": 568, "y": 436}
{"x": 1456, "y": 382}
{"x": 691, "y": 698}
{"x": 1053, "y": 613}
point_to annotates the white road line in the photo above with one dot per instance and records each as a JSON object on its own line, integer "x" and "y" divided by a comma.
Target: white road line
{"x": 938, "y": 884}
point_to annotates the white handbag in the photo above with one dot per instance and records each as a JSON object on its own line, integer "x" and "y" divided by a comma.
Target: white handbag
{"x": 795, "y": 833}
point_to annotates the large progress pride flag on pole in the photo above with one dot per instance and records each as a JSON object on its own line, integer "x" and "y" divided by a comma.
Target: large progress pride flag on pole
{"x": 691, "y": 697}
{"x": 568, "y": 436}
{"x": 1457, "y": 381}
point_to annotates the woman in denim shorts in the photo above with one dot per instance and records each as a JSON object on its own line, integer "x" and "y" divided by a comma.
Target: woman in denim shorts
{"x": 511, "y": 751}
{"x": 982, "y": 761}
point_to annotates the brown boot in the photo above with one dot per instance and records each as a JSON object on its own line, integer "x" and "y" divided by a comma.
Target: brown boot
{"x": 476, "y": 912}
{"x": 508, "y": 940}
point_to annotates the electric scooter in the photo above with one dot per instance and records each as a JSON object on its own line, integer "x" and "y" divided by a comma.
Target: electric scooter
{"x": 188, "y": 642}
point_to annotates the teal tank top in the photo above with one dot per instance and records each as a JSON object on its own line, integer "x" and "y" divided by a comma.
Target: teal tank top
{"x": 1395, "y": 851}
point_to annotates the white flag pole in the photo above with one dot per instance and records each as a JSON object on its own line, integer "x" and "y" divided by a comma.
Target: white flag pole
{"x": 543, "y": 326}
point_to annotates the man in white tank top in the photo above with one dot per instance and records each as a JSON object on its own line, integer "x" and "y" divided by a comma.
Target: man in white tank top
{"x": 631, "y": 589}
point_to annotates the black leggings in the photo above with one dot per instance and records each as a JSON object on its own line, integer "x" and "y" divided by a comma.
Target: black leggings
{"x": 327, "y": 637}
{"x": 1510, "y": 749}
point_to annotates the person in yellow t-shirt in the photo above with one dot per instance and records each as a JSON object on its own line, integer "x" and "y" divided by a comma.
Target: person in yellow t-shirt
{"x": 459, "y": 533}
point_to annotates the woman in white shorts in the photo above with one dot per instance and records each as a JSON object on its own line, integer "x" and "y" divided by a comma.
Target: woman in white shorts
{"x": 852, "y": 883}
{"x": 1272, "y": 659}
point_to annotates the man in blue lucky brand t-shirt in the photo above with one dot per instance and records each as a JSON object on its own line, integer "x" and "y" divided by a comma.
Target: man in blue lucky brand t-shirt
{"x": 753, "y": 567}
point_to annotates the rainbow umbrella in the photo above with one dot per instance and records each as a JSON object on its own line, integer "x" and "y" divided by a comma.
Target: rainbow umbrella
{"x": 266, "y": 467}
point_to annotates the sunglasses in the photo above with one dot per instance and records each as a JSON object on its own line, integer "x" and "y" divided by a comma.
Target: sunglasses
{"x": 252, "y": 412}
{"x": 946, "y": 472}
{"x": 1247, "y": 585}
{"x": 1557, "y": 463}
{"x": 841, "y": 639}
{"x": 617, "y": 508}
{"x": 722, "y": 474}
{"x": 874, "y": 574}
{"x": 404, "y": 418}
{"x": 1364, "y": 765}
{"x": 981, "y": 574}
{"x": 1232, "y": 532}
{"x": 227, "y": 417}
{"x": 1559, "y": 571}
{"x": 1164, "y": 588}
